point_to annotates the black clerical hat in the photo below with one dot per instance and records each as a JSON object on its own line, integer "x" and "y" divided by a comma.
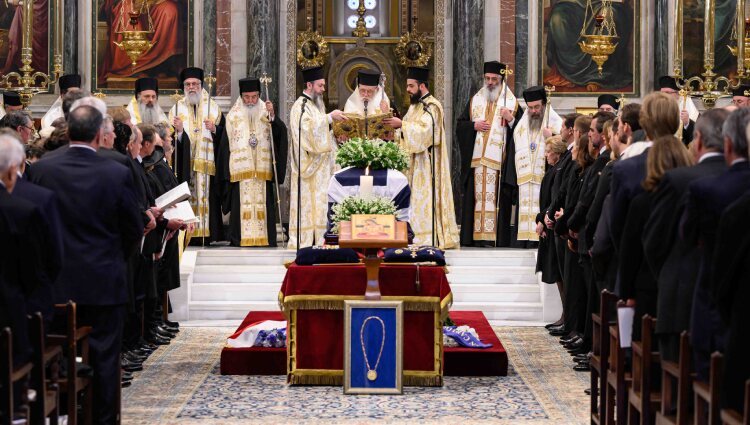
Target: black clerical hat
{"x": 607, "y": 99}
{"x": 69, "y": 80}
{"x": 11, "y": 98}
{"x": 532, "y": 94}
{"x": 249, "y": 85}
{"x": 740, "y": 91}
{"x": 493, "y": 67}
{"x": 312, "y": 74}
{"x": 191, "y": 72}
{"x": 668, "y": 82}
{"x": 146, "y": 83}
{"x": 368, "y": 78}
{"x": 418, "y": 73}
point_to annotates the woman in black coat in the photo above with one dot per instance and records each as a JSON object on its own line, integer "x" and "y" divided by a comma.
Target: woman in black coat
{"x": 546, "y": 260}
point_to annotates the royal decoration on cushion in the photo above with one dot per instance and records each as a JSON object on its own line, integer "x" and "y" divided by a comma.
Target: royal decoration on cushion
{"x": 357, "y": 205}
{"x": 414, "y": 254}
{"x": 329, "y": 254}
{"x": 373, "y": 153}
{"x": 465, "y": 336}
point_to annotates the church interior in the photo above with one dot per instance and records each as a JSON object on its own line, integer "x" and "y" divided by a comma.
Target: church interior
{"x": 374, "y": 211}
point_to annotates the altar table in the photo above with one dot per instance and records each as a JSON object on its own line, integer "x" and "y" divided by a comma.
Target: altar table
{"x": 312, "y": 298}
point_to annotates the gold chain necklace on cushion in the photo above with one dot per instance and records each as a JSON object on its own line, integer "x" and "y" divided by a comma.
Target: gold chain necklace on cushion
{"x": 372, "y": 373}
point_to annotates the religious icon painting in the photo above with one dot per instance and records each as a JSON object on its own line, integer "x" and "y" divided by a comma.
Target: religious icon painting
{"x": 564, "y": 28}
{"x": 140, "y": 38}
{"x": 373, "y": 347}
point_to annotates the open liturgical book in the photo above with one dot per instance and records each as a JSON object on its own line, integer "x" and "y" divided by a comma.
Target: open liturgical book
{"x": 181, "y": 211}
{"x": 174, "y": 196}
{"x": 354, "y": 126}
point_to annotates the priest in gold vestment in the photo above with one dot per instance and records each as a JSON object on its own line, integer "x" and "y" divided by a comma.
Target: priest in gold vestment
{"x": 311, "y": 130}
{"x": 198, "y": 124}
{"x": 247, "y": 167}
{"x": 416, "y": 138}
{"x": 538, "y": 122}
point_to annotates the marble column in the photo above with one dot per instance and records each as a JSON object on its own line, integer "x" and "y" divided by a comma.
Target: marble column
{"x": 662, "y": 65}
{"x": 223, "y": 47}
{"x": 70, "y": 37}
{"x": 468, "y": 60}
{"x": 508, "y": 37}
{"x": 263, "y": 42}
{"x": 208, "y": 62}
{"x": 522, "y": 46}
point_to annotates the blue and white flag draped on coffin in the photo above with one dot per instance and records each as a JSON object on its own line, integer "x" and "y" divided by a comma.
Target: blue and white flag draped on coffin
{"x": 390, "y": 184}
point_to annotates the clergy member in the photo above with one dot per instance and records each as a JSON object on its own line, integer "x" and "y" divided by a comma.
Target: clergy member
{"x": 197, "y": 121}
{"x": 607, "y": 103}
{"x": 312, "y": 132}
{"x": 538, "y": 123}
{"x": 740, "y": 96}
{"x": 65, "y": 83}
{"x": 482, "y": 132}
{"x": 369, "y": 95}
{"x": 144, "y": 106}
{"x": 688, "y": 111}
{"x": 417, "y": 138}
{"x": 11, "y": 102}
{"x": 251, "y": 127}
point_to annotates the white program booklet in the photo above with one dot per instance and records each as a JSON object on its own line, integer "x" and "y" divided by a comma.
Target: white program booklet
{"x": 178, "y": 194}
{"x": 181, "y": 211}
{"x": 625, "y": 316}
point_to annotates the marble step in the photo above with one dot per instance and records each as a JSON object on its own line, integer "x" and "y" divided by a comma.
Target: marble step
{"x": 495, "y": 293}
{"x": 499, "y": 275}
{"x": 239, "y": 274}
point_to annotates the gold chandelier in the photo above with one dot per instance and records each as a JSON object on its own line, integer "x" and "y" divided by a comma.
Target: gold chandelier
{"x": 709, "y": 86}
{"x": 134, "y": 42}
{"x": 602, "y": 42}
{"x": 29, "y": 82}
{"x": 746, "y": 38}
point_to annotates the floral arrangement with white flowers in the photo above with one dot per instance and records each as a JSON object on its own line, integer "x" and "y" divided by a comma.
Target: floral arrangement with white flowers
{"x": 373, "y": 153}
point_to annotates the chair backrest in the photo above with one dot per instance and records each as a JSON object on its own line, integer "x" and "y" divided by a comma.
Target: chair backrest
{"x": 9, "y": 375}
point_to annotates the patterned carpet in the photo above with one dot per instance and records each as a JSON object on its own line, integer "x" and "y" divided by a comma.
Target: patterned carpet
{"x": 181, "y": 384}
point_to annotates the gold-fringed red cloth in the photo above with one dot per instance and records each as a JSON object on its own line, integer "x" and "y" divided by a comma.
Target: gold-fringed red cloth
{"x": 312, "y": 298}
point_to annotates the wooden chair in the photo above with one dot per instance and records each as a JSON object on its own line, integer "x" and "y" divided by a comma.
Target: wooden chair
{"x": 599, "y": 360}
{"x": 47, "y": 401}
{"x": 733, "y": 417}
{"x": 618, "y": 380}
{"x": 679, "y": 375}
{"x": 9, "y": 376}
{"x": 643, "y": 398}
{"x": 707, "y": 394}
{"x": 72, "y": 384}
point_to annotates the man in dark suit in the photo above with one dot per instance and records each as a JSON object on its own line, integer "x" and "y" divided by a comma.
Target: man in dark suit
{"x": 558, "y": 191}
{"x": 41, "y": 300}
{"x": 102, "y": 227}
{"x": 730, "y": 273}
{"x": 673, "y": 262}
{"x": 577, "y": 223}
{"x": 21, "y": 262}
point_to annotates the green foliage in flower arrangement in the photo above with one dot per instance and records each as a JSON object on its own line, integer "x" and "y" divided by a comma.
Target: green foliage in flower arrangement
{"x": 357, "y": 205}
{"x": 375, "y": 153}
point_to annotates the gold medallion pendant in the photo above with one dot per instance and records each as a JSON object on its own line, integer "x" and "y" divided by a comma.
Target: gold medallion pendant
{"x": 371, "y": 371}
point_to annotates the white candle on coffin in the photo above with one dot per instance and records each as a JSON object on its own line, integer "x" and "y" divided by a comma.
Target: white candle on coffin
{"x": 365, "y": 184}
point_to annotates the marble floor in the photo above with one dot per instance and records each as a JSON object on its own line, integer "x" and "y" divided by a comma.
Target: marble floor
{"x": 181, "y": 384}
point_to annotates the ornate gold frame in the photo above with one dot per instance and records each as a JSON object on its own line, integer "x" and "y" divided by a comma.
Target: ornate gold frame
{"x": 424, "y": 54}
{"x": 317, "y": 47}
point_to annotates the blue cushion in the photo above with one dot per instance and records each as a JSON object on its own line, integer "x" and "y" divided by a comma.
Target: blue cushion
{"x": 325, "y": 255}
{"x": 414, "y": 254}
